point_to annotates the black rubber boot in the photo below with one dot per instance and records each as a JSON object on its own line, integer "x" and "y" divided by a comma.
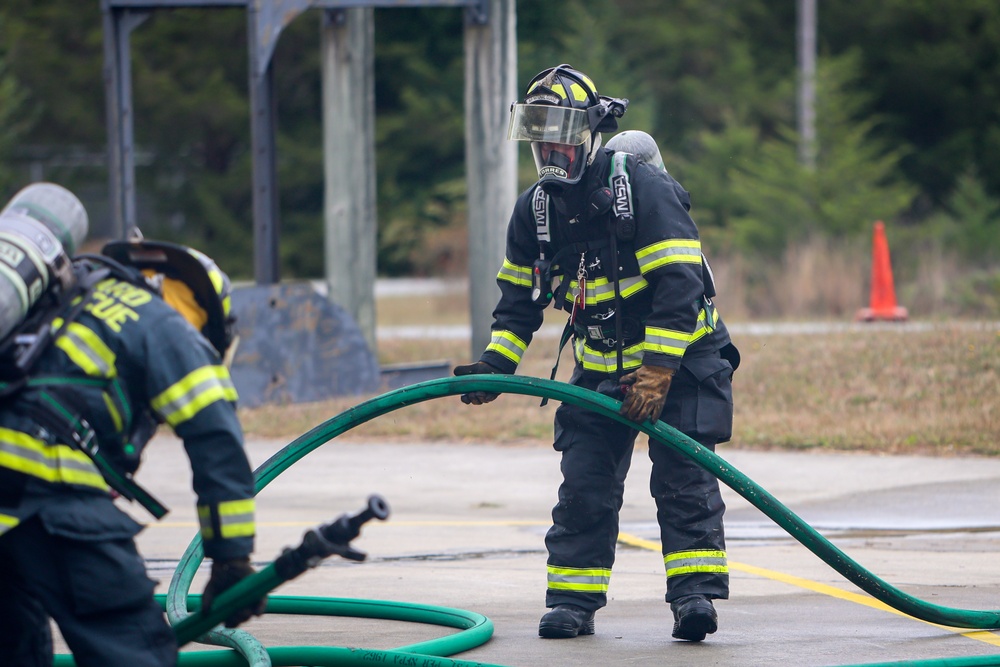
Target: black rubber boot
{"x": 694, "y": 617}
{"x": 566, "y": 621}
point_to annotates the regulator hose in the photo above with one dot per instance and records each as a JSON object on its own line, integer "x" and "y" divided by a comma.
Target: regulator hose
{"x": 178, "y": 600}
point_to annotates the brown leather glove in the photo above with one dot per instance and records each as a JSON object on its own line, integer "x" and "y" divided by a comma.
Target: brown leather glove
{"x": 647, "y": 392}
{"x": 225, "y": 575}
{"x": 478, "y": 368}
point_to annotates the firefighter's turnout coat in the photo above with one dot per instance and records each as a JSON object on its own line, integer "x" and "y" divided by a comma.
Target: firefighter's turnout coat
{"x": 126, "y": 360}
{"x": 667, "y": 319}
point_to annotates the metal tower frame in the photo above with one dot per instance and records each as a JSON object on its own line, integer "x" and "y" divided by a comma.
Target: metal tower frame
{"x": 265, "y": 21}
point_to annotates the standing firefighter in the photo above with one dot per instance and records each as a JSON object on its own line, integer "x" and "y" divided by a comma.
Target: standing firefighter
{"x": 135, "y": 342}
{"x": 609, "y": 239}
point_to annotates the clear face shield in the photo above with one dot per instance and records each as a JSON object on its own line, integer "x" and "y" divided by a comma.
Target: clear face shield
{"x": 559, "y": 137}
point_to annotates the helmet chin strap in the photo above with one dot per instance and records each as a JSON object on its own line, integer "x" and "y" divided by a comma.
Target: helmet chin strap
{"x": 596, "y": 139}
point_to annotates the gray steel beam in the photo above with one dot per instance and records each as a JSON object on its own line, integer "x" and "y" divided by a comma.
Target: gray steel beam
{"x": 265, "y": 21}
{"x": 263, "y": 124}
{"x": 118, "y": 27}
{"x": 112, "y": 101}
{"x": 320, "y": 4}
{"x": 167, "y": 4}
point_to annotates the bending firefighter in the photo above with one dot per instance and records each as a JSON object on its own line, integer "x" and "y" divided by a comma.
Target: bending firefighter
{"x": 111, "y": 346}
{"x": 608, "y": 238}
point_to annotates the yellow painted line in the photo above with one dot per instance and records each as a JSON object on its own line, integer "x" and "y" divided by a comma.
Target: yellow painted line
{"x": 498, "y": 522}
{"x": 632, "y": 540}
{"x": 825, "y": 589}
{"x": 304, "y": 524}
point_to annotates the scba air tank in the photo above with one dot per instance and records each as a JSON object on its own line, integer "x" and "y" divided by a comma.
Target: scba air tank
{"x": 40, "y": 228}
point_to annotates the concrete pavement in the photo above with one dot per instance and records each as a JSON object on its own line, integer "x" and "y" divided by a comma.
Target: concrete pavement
{"x": 467, "y": 529}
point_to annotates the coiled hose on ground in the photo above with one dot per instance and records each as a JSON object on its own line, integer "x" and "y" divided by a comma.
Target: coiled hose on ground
{"x": 477, "y": 629}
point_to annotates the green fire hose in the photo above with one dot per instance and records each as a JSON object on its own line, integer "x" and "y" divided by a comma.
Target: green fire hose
{"x": 334, "y": 538}
{"x": 177, "y": 600}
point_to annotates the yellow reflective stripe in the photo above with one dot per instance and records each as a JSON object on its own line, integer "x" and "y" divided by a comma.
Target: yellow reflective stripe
{"x": 597, "y": 290}
{"x": 198, "y": 389}
{"x": 57, "y": 464}
{"x": 219, "y": 285}
{"x": 512, "y": 273}
{"x": 579, "y": 92}
{"x": 603, "y": 289}
{"x": 86, "y": 349}
{"x": 606, "y": 362}
{"x": 629, "y": 286}
{"x": 674, "y": 343}
{"x": 236, "y": 518}
{"x": 708, "y": 319}
{"x": 687, "y": 562}
{"x": 666, "y": 341}
{"x": 205, "y": 521}
{"x": 507, "y": 344}
{"x": 669, "y": 252}
{"x": 116, "y": 417}
{"x": 589, "y": 580}
{"x": 7, "y": 522}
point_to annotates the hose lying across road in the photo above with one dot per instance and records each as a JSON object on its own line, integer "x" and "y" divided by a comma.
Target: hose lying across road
{"x": 477, "y": 629}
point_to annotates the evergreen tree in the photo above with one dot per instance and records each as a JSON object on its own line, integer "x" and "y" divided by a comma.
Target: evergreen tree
{"x": 969, "y": 224}
{"x": 853, "y": 183}
{"x": 931, "y": 70}
{"x": 711, "y": 80}
{"x": 15, "y": 121}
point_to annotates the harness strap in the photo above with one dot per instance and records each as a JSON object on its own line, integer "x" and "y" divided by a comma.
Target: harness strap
{"x": 631, "y": 328}
{"x": 575, "y": 249}
{"x": 624, "y": 226}
{"x": 619, "y": 343}
{"x": 77, "y": 432}
{"x": 621, "y": 203}
{"x": 26, "y": 353}
{"x": 540, "y": 209}
{"x": 567, "y": 333}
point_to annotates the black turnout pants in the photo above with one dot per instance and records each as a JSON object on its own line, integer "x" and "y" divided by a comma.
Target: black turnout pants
{"x": 596, "y": 455}
{"x": 81, "y": 569}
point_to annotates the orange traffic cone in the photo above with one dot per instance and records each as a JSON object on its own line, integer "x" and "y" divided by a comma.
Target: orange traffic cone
{"x": 883, "y": 295}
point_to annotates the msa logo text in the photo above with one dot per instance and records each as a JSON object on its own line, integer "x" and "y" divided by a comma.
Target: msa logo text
{"x": 539, "y": 207}
{"x": 620, "y": 187}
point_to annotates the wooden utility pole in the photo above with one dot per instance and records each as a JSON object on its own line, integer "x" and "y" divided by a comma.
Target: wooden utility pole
{"x": 351, "y": 224}
{"x": 348, "y": 138}
{"x": 806, "y": 34}
{"x": 491, "y": 160}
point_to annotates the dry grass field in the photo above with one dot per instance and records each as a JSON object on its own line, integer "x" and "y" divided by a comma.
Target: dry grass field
{"x": 929, "y": 389}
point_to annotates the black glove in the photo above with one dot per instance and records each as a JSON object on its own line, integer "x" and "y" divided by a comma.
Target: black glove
{"x": 225, "y": 575}
{"x": 478, "y": 368}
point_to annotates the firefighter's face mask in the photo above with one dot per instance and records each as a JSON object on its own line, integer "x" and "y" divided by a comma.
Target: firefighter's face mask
{"x": 561, "y": 139}
{"x": 562, "y": 108}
